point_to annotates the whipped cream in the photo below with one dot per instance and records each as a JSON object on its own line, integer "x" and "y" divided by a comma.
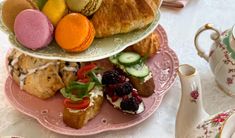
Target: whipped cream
{"x": 117, "y": 104}
{"x": 14, "y": 61}
{"x": 70, "y": 69}
{"x": 16, "y": 58}
{"x": 148, "y": 77}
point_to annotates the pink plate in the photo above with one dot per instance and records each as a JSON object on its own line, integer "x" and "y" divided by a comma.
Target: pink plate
{"x": 164, "y": 66}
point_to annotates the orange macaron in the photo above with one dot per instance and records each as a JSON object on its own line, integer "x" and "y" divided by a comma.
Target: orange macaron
{"x": 74, "y": 33}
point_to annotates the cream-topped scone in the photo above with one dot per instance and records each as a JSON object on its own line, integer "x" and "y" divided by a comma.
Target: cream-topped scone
{"x": 40, "y": 77}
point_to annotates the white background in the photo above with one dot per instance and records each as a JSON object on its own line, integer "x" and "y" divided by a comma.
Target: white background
{"x": 180, "y": 26}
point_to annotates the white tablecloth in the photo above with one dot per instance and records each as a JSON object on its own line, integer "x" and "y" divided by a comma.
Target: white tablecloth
{"x": 180, "y": 26}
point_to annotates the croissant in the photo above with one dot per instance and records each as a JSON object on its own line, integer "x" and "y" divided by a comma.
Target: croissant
{"x": 122, "y": 16}
{"x": 148, "y": 46}
{"x": 158, "y": 3}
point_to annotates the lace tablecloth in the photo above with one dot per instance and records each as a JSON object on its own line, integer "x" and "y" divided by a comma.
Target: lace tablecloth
{"x": 180, "y": 26}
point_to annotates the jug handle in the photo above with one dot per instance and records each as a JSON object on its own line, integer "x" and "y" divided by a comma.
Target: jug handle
{"x": 206, "y": 27}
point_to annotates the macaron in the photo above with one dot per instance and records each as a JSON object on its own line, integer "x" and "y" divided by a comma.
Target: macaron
{"x": 33, "y": 29}
{"x": 74, "y": 33}
{"x": 55, "y": 10}
{"x": 11, "y": 8}
{"x": 85, "y": 7}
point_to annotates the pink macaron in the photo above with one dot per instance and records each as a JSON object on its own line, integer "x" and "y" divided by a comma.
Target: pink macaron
{"x": 33, "y": 29}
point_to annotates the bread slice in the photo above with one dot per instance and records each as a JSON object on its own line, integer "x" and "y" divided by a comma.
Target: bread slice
{"x": 78, "y": 118}
{"x": 144, "y": 89}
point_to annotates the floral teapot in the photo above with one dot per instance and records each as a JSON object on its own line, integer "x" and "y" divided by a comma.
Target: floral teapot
{"x": 192, "y": 121}
{"x": 221, "y": 57}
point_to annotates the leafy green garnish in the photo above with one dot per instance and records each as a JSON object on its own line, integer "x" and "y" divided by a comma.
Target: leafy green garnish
{"x": 94, "y": 78}
{"x": 76, "y": 91}
{"x": 91, "y": 86}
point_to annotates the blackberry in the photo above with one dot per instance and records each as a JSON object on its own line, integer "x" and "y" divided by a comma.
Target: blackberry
{"x": 130, "y": 104}
{"x": 123, "y": 89}
{"x": 110, "y": 77}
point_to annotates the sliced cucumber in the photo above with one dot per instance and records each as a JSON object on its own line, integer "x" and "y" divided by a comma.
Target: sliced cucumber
{"x": 138, "y": 70}
{"x": 129, "y": 58}
{"x": 113, "y": 59}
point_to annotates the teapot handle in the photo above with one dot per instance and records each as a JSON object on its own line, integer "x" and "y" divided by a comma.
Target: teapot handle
{"x": 216, "y": 37}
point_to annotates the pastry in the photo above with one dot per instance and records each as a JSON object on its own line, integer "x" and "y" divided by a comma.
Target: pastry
{"x": 120, "y": 92}
{"x": 158, "y": 3}
{"x": 32, "y": 29}
{"x": 11, "y": 8}
{"x": 55, "y": 10}
{"x": 84, "y": 98}
{"x": 122, "y": 16}
{"x": 147, "y": 47}
{"x": 85, "y": 7}
{"x": 140, "y": 76}
{"x": 68, "y": 71}
{"x": 74, "y": 33}
{"x": 39, "y": 77}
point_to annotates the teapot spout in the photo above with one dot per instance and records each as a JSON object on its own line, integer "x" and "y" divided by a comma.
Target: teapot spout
{"x": 191, "y": 110}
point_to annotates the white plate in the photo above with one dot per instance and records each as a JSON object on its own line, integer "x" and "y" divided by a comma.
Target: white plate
{"x": 100, "y": 48}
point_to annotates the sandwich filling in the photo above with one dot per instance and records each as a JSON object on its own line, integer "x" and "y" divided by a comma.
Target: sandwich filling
{"x": 81, "y": 94}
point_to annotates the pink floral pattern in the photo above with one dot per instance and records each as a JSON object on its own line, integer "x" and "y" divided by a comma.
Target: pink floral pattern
{"x": 229, "y": 81}
{"x": 220, "y": 118}
{"x": 194, "y": 96}
{"x": 212, "y": 127}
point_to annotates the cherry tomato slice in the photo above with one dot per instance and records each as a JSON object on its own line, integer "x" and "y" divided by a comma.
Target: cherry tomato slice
{"x": 77, "y": 105}
{"x": 83, "y": 70}
{"x": 85, "y": 80}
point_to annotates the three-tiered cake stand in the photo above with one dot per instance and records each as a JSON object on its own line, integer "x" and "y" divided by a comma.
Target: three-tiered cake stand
{"x": 163, "y": 66}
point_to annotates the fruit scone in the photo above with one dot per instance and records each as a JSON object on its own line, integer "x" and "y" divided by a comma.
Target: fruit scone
{"x": 83, "y": 97}
{"x": 39, "y": 77}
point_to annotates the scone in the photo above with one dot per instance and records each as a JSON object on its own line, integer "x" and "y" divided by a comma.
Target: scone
{"x": 39, "y": 77}
{"x": 68, "y": 71}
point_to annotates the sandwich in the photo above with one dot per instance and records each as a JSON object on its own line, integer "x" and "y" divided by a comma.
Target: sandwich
{"x": 132, "y": 64}
{"x": 83, "y": 97}
{"x": 120, "y": 92}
